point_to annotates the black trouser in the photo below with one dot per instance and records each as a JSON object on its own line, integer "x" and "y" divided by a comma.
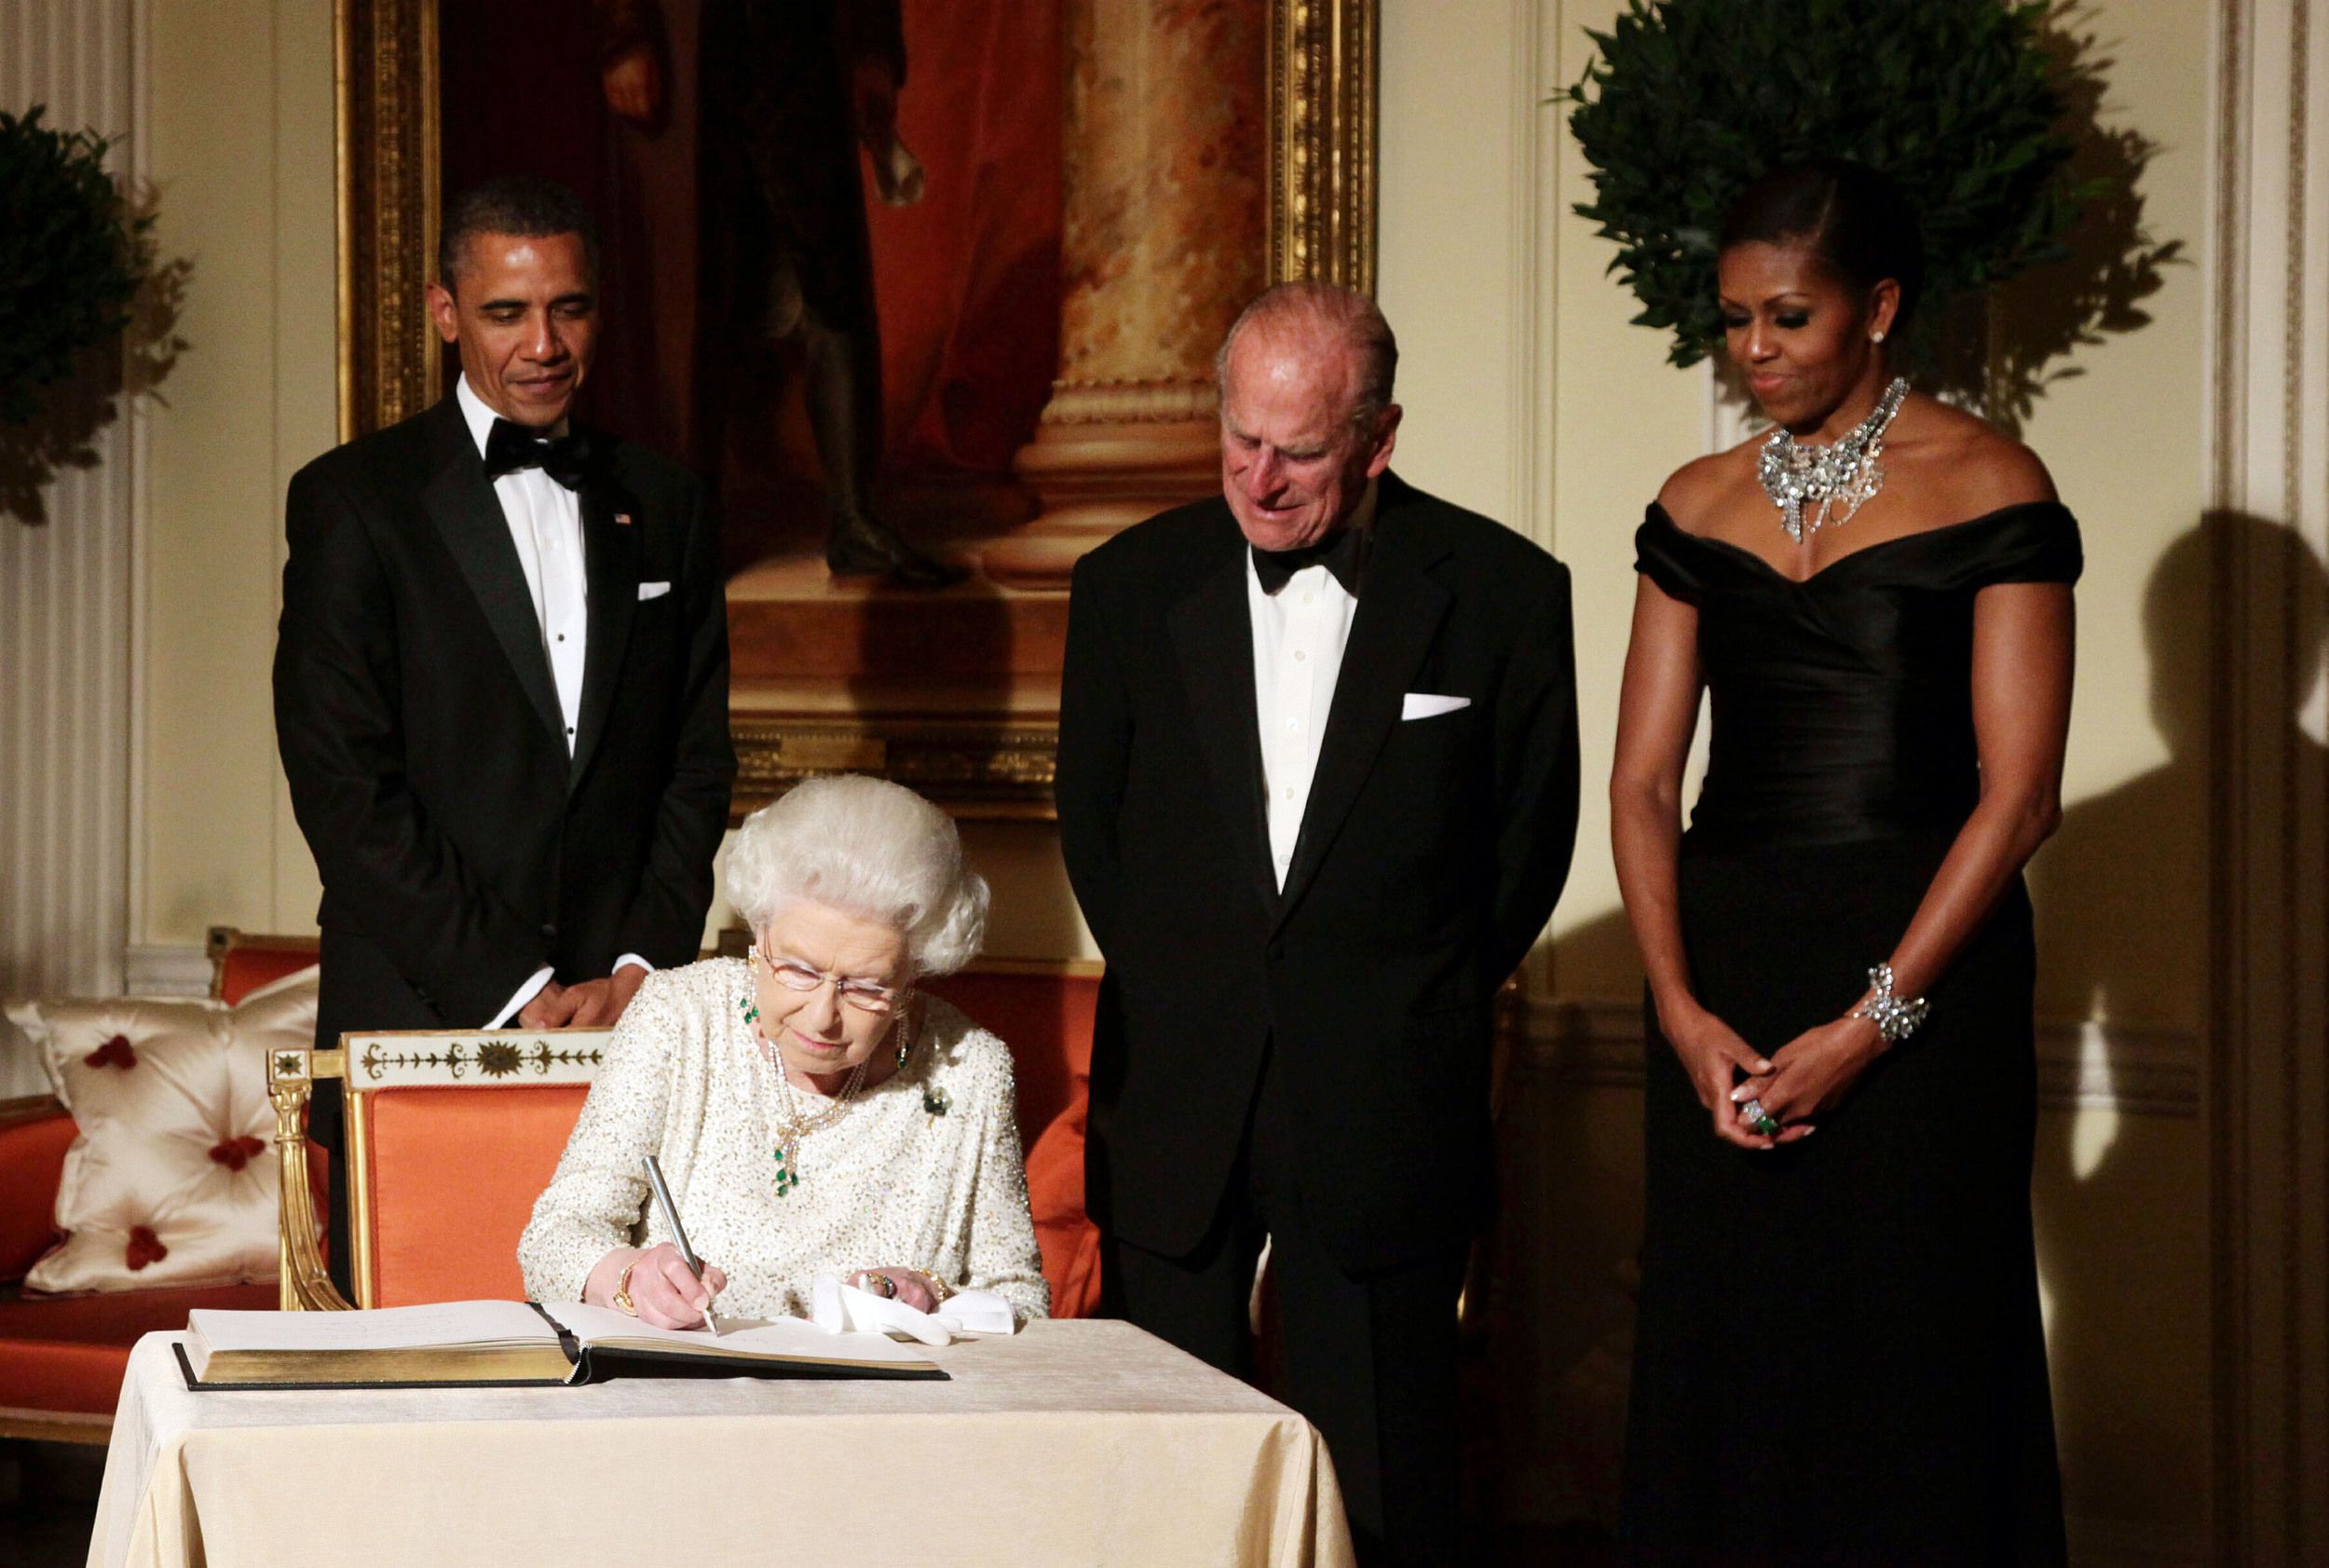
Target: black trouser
{"x": 1370, "y": 1361}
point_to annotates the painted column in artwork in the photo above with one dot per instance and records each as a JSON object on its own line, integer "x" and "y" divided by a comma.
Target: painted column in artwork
{"x": 1163, "y": 240}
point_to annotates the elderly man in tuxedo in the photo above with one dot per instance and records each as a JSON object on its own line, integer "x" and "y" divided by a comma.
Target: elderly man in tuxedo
{"x": 1317, "y": 792}
{"x": 501, "y": 675}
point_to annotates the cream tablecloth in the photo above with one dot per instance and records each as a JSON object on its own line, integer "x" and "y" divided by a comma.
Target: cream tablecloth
{"x": 1071, "y": 1443}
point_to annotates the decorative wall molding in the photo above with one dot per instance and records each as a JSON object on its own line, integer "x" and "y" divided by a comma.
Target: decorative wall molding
{"x": 66, "y": 585}
{"x": 2090, "y": 1064}
{"x": 1537, "y": 124}
{"x": 2269, "y": 850}
{"x": 388, "y": 199}
{"x": 165, "y": 969}
{"x": 977, "y": 769}
{"x": 1322, "y": 182}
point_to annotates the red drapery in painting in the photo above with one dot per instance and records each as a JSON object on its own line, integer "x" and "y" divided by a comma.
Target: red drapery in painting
{"x": 966, "y": 280}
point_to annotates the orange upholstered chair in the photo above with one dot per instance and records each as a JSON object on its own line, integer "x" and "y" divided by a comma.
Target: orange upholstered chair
{"x": 424, "y": 1146}
{"x": 451, "y": 1137}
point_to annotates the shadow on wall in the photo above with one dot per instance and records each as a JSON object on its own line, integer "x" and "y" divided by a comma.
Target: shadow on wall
{"x": 63, "y": 435}
{"x": 2112, "y": 262}
{"x": 2104, "y": 881}
{"x": 2122, "y": 900}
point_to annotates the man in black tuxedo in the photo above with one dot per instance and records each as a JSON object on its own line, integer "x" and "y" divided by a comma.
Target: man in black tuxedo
{"x": 501, "y": 675}
{"x": 1317, "y": 792}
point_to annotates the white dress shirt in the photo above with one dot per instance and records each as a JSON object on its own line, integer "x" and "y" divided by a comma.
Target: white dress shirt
{"x": 1299, "y": 634}
{"x": 545, "y": 520}
{"x": 546, "y": 525}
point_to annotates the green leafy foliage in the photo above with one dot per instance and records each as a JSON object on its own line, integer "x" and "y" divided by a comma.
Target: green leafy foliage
{"x": 69, "y": 256}
{"x": 1689, "y": 101}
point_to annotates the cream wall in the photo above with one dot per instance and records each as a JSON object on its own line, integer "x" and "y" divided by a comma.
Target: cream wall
{"x": 242, "y": 139}
{"x": 1529, "y": 395}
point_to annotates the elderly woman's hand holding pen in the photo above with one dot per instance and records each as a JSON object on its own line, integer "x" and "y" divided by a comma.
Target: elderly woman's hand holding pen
{"x": 654, "y": 1285}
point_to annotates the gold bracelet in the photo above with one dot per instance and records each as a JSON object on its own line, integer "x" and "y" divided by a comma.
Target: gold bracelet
{"x": 622, "y": 1290}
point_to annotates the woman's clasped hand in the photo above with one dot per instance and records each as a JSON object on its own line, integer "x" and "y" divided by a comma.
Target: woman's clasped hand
{"x": 1715, "y": 1057}
{"x": 1747, "y": 1094}
{"x": 1808, "y": 1076}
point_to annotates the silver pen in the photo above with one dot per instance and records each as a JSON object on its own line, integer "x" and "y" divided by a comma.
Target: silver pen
{"x": 679, "y": 1235}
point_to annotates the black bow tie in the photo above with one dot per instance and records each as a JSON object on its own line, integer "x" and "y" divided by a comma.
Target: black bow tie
{"x": 510, "y": 447}
{"x": 1341, "y": 552}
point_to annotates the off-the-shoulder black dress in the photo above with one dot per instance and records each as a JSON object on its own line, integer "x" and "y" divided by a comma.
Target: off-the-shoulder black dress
{"x": 1840, "y": 1359}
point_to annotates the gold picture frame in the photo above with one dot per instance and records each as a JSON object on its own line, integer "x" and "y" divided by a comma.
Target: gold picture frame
{"x": 1320, "y": 222}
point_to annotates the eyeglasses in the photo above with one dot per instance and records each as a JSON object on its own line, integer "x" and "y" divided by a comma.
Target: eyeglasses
{"x": 867, "y": 995}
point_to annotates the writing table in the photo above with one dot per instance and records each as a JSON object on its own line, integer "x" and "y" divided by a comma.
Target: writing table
{"x": 1071, "y": 1442}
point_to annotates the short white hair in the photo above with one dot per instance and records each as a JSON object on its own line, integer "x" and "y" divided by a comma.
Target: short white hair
{"x": 1322, "y": 313}
{"x": 873, "y": 849}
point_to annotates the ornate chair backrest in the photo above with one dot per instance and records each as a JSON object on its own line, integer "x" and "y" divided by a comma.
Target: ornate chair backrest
{"x": 451, "y": 1137}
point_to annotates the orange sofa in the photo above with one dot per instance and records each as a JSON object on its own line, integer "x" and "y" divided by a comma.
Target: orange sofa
{"x": 62, "y": 1358}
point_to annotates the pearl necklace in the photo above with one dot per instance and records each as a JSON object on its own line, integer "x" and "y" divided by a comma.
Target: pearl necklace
{"x": 1841, "y": 479}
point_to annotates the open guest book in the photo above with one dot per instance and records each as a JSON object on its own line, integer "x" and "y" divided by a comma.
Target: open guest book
{"x": 478, "y": 1344}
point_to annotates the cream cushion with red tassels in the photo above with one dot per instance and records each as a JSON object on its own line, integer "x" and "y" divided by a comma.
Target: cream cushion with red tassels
{"x": 171, "y": 1180}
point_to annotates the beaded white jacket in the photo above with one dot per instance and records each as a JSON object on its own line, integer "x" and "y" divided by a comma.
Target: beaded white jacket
{"x": 921, "y": 1171}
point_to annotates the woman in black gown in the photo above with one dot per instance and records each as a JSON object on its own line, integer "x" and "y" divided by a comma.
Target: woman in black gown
{"x": 1839, "y": 1358}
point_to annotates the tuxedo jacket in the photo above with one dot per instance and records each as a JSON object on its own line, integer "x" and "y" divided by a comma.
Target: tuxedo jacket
{"x": 461, "y": 847}
{"x": 1430, "y": 855}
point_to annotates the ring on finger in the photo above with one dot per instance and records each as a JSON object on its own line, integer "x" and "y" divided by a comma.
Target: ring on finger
{"x": 1759, "y": 1119}
{"x": 879, "y": 1284}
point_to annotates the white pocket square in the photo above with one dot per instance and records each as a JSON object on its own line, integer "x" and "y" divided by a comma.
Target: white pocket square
{"x": 653, "y": 591}
{"x": 1430, "y": 704}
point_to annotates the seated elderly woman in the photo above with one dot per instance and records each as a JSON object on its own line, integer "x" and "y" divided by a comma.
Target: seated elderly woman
{"x": 812, "y": 1112}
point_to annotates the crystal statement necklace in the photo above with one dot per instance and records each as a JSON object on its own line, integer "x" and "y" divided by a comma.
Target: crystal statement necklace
{"x": 1839, "y": 479}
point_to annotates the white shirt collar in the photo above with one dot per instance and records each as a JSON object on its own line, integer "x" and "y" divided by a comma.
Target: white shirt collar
{"x": 481, "y": 418}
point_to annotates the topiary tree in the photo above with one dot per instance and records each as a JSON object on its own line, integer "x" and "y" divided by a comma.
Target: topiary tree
{"x": 70, "y": 256}
{"x": 1688, "y": 102}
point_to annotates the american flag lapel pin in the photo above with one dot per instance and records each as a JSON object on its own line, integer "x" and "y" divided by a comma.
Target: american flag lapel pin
{"x": 623, "y": 520}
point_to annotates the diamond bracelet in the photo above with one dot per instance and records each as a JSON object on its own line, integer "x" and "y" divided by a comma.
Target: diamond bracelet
{"x": 1895, "y": 1019}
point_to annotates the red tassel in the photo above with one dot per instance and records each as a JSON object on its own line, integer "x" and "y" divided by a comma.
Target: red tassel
{"x": 116, "y": 1052}
{"x": 145, "y": 1248}
{"x": 237, "y": 1153}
